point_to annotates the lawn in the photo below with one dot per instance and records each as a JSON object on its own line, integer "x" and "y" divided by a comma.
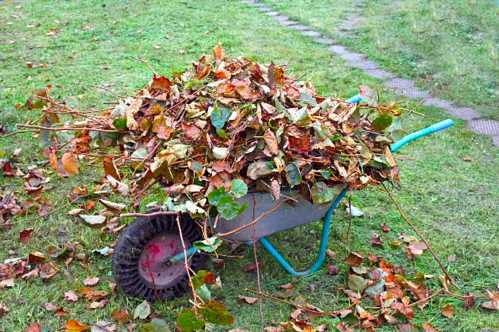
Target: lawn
{"x": 95, "y": 51}
{"x": 450, "y": 48}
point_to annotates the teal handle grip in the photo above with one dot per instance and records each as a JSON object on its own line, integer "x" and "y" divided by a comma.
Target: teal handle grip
{"x": 354, "y": 99}
{"x": 421, "y": 133}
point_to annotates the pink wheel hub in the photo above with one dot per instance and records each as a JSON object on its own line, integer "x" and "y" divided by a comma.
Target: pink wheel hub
{"x": 153, "y": 262}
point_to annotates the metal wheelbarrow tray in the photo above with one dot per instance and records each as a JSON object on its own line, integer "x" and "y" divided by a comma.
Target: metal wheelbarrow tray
{"x": 149, "y": 259}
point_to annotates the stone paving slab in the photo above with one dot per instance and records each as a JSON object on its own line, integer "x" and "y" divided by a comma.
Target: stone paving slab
{"x": 399, "y": 86}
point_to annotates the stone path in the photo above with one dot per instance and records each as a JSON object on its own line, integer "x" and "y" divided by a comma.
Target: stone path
{"x": 400, "y": 86}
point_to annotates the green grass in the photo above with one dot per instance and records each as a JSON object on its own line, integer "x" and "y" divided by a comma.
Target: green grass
{"x": 452, "y": 200}
{"x": 448, "y": 47}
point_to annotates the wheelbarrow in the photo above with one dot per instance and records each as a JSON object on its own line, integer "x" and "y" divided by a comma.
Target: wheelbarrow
{"x": 149, "y": 257}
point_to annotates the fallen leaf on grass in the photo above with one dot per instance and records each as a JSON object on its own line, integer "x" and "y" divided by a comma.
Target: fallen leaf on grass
{"x": 35, "y": 327}
{"x": 250, "y": 267}
{"x": 247, "y": 299}
{"x": 287, "y": 286}
{"x": 427, "y": 327}
{"x": 112, "y": 205}
{"x": 354, "y": 259}
{"x": 332, "y": 270}
{"x": 70, "y": 163}
{"x": 417, "y": 248}
{"x": 3, "y": 309}
{"x": 142, "y": 311}
{"x": 70, "y": 296}
{"x": 93, "y": 220}
{"x": 493, "y": 304}
{"x": 92, "y": 281}
{"x": 48, "y": 270}
{"x": 447, "y": 310}
{"x": 75, "y": 326}
{"x": 121, "y": 316}
{"x": 97, "y": 304}
{"x": 384, "y": 228}
{"x": 25, "y": 235}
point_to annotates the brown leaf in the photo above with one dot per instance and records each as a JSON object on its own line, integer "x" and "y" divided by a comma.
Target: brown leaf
{"x": 447, "y": 310}
{"x": 110, "y": 168}
{"x": 25, "y": 235}
{"x": 160, "y": 83}
{"x": 121, "y": 316}
{"x": 48, "y": 270}
{"x": 218, "y": 52}
{"x": 271, "y": 141}
{"x": 250, "y": 267}
{"x": 70, "y": 163}
{"x": 36, "y": 257}
{"x": 342, "y": 327}
{"x": 427, "y": 327}
{"x": 247, "y": 299}
{"x": 287, "y": 286}
{"x": 354, "y": 259}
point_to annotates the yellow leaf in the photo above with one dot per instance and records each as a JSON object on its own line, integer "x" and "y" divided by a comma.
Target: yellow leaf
{"x": 70, "y": 163}
{"x": 75, "y": 326}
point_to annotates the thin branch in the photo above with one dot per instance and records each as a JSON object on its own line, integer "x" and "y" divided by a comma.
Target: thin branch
{"x": 413, "y": 227}
{"x": 258, "y": 283}
{"x": 186, "y": 263}
{"x": 151, "y": 214}
{"x": 66, "y": 128}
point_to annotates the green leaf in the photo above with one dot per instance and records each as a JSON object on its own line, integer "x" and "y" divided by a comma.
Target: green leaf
{"x": 188, "y": 322}
{"x": 382, "y": 122}
{"x": 215, "y": 195}
{"x": 219, "y": 116}
{"x": 209, "y": 245}
{"x": 357, "y": 283}
{"x": 321, "y": 193}
{"x": 142, "y": 311}
{"x": 229, "y": 209}
{"x": 221, "y": 133}
{"x": 156, "y": 325}
{"x": 238, "y": 188}
{"x": 204, "y": 293}
{"x": 214, "y": 312}
{"x": 119, "y": 123}
{"x": 293, "y": 175}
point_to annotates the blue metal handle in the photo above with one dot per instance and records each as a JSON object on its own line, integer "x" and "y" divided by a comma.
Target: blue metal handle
{"x": 323, "y": 245}
{"x": 421, "y": 133}
{"x": 354, "y": 99}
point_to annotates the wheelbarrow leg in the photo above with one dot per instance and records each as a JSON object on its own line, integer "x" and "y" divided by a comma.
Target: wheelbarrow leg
{"x": 327, "y": 219}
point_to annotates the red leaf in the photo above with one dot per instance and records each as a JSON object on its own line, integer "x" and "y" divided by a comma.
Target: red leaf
{"x": 25, "y": 235}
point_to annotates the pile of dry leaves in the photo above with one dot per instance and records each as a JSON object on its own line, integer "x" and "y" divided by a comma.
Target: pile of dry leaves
{"x": 224, "y": 120}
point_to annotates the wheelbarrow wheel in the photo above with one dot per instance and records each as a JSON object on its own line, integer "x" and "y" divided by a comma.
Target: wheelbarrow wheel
{"x": 140, "y": 258}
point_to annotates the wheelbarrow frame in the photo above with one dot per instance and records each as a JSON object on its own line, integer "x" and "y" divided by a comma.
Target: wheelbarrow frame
{"x": 328, "y": 217}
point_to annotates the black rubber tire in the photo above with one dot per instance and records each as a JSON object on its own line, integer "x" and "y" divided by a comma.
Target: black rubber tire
{"x": 132, "y": 242}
